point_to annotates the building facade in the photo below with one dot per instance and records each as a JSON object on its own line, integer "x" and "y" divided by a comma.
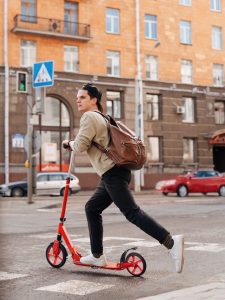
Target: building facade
{"x": 155, "y": 63}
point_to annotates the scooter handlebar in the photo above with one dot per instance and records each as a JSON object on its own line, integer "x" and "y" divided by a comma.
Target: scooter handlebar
{"x": 66, "y": 145}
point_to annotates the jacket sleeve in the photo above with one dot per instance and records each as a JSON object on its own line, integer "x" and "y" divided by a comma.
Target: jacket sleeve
{"x": 86, "y": 133}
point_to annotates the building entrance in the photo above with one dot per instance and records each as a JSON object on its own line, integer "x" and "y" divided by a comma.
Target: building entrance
{"x": 219, "y": 158}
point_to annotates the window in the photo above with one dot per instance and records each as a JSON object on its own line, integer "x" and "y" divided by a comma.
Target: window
{"x": 189, "y": 150}
{"x": 154, "y": 149}
{"x": 43, "y": 177}
{"x": 151, "y": 27}
{"x": 28, "y": 10}
{"x": 152, "y": 107}
{"x": 185, "y": 2}
{"x": 112, "y": 20}
{"x": 113, "y": 63}
{"x": 114, "y": 104}
{"x": 185, "y": 32}
{"x": 218, "y": 75}
{"x": 71, "y": 63}
{"x": 217, "y": 37}
{"x": 54, "y": 127}
{"x": 186, "y": 71}
{"x": 189, "y": 110}
{"x": 70, "y": 17}
{"x": 215, "y": 5}
{"x": 219, "y": 109}
{"x": 27, "y": 53}
{"x": 55, "y": 177}
{"x": 151, "y": 63}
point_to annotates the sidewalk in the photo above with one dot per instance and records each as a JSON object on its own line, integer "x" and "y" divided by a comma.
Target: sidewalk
{"x": 212, "y": 291}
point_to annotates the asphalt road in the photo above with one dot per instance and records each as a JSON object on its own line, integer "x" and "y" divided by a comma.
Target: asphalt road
{"x": 27, "y": 229}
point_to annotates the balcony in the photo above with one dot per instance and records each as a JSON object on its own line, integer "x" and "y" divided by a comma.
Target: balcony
{"x": 51, "y": 27}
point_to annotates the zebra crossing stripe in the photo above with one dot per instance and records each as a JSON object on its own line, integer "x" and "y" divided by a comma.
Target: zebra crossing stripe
{"x": 75, "y": 287}
{"x": 9, "y": 276}
{"x": 214, "y": 290}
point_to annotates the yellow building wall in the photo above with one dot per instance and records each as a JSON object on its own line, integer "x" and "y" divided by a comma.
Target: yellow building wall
{"x": 92, "y": 54}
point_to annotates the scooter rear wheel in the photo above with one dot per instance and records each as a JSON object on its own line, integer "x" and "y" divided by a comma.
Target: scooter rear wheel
{"x": 139, "y": 264}
{"x": 56, "y": 260}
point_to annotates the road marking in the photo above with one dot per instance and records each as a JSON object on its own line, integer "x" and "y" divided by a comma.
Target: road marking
{"x": 146, "y": 244}
{"x": 109, "y": 238}
{"x": 50, "y": 236}
{"x": 208, "y": 247}
{"x": 9, "y": 276}
{"x": 134, "y": 242}
{"x": 214, "y": 290}
{"x": 76, "y": 287}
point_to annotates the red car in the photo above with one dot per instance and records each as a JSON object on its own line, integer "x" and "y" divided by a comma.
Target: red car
{"x": 197, "y": 182}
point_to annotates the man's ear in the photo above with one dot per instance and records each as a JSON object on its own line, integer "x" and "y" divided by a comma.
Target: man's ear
{"x": 94, "y": 100}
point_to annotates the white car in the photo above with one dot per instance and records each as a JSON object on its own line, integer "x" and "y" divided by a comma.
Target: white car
{"x": 48, "y": 183}
{"x": 54, "y": 183}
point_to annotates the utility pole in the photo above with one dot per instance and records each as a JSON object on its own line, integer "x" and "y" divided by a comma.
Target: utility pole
{"x": 6, "y": 65}
{"x": 30, "y": 138}
{"x": 139, "y": 121}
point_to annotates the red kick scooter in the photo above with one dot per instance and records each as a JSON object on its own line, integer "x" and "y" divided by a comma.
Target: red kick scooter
{"x": 56, "y": 253}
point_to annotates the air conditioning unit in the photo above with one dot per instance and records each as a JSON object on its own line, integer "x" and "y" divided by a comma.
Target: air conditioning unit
{"x": 180, "y": 110}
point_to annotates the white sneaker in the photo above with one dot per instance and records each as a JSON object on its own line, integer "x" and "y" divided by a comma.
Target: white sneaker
{"x": 177, "y": 252}
{"x": 93, "y": 261}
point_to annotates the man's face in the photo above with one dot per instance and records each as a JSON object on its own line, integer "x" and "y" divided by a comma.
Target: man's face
{"x": 84, "y": 101}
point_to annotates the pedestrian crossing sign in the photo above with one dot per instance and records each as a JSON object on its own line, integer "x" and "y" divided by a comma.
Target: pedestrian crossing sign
{"x": 43, "y": 74}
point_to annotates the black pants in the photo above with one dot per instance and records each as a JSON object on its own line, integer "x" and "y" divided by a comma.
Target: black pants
{"x": 114, "y": 188}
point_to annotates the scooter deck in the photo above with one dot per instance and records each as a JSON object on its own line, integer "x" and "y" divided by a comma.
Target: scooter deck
{"x": 109, "y": 266}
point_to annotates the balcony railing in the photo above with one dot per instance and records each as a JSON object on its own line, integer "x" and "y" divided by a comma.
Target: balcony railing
{"x": 51, "y": 27}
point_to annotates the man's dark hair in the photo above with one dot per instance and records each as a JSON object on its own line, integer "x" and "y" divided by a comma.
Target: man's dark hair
{"x": 93, "y": 92}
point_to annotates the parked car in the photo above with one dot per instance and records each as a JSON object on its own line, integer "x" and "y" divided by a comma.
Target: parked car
{"x": 202, "y": 181}
{"x": 48, "y": 183}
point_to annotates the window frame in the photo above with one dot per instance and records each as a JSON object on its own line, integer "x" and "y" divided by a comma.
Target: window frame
{"x": 215, "y": 5}
{"x": 151, "y": 67}
{"x": 185, "y": 32}
{"x": 189, "y": 115}
{"x": 114, "y": 57}
{"x": 114, "y": 21}
{"x": 30, "y": 49}
{"x": 217, "y": 38}
{"x": 220, "y": 78}
{"x": 71, "y": 17}
{"x": 74, "y": 61}
{"x": 159, "y": 153}
{"x": 194, "y": 150}
{"x": 220, "y": 116}
{"x": 185, "y": 2}
{"x": 28, "y": 5}
{"x": 121, "y": 95}
{"x": 153, "y": 107}
{"x": 151, "y": 27}
{"x": 186, "y": 77}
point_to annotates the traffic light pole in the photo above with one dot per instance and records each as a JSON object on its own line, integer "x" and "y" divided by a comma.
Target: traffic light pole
{"x": 30, "y": 138}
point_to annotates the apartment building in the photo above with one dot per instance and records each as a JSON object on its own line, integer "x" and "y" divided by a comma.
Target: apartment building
{"x": 158, "y": 65}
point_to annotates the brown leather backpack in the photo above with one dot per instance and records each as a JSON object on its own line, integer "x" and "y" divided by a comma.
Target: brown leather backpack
{"x": 125, "y": 149}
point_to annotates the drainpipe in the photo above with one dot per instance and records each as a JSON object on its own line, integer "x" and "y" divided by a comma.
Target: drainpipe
{"x": 139, "y": 122}
{"x": 6, "y": 64}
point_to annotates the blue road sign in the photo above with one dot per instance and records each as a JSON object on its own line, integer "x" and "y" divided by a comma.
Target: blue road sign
{"x": 43, "y": 74}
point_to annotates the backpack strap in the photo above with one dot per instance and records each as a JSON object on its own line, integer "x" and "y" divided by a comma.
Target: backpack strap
{"x": 98, "y": 146}
{"x": 108, "y": 118}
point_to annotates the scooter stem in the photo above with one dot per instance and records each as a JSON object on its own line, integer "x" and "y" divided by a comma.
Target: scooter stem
{"x": 65, "y": 197}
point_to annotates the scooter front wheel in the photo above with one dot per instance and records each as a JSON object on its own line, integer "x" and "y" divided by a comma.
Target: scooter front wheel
{"x": 138, "y": 264}
{"x": 56, "y": 258}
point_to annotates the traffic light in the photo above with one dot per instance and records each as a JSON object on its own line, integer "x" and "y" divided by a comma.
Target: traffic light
{"x": 21, "y": 82}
